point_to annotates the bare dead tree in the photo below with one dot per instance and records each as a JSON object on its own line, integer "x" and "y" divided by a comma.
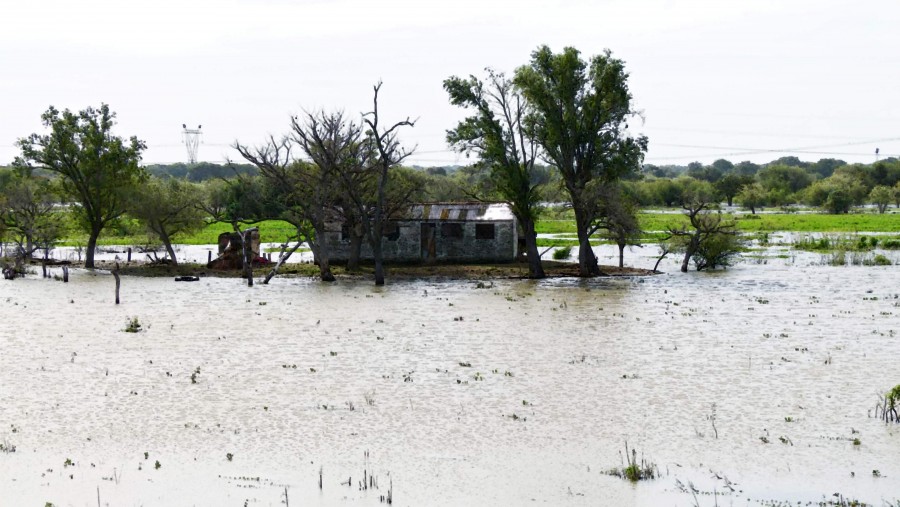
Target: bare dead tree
{"x": 390, "y": 155}
{"x": 339, "y": 148}
{"x": 301, "y": 193}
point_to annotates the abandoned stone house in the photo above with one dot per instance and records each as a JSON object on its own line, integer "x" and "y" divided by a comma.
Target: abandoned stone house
{"x": 442, "y": 231}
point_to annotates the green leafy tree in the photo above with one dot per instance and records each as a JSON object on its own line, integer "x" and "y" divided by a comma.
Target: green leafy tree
{"x": 746, "y": 168}
{"x": 784, "y": 180}
{"x": 168, "y": 207}
{"x": 98, "y": 169}
{"x": 838, "y": 201}
{"x": 706, "y": 173}
{"x": 619, "y": 221}
{"x": 497, "y": 134}
{"x": 881, "y": 196}
{"x": 28, "y": 212}
{"x": 723, "y": 166}
{"x": 752, "y": 196}
{"x": 668, "y": 192}
{"x": 825, "y": 167}
{"x": 718, "y": 250}
{"x": 706, "y": 241}
{"x": 580, "y": 119}
{"x": 731, "y": 184}
{"x": 837, "y": 194}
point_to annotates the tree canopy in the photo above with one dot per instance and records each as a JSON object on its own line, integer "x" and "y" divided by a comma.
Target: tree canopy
{"x": 98, "y": 169}
{"x": 580, "y": 119}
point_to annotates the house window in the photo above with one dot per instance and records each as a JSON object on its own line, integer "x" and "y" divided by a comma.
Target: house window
{"x": 484, "y": 231}
{"x": 391, "y": 231}
{"x": 453, "y": 231}
{"x": 345, "y": 232}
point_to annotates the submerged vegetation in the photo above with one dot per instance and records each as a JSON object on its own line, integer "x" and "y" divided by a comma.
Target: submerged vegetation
{"x": 633, "y": 470}
{"x": 886, "y": 409}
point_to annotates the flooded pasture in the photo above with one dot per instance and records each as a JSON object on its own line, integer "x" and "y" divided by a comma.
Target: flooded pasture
{"x": 749, "y": 385}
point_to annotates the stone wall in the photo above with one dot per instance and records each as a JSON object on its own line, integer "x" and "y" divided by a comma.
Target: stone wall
{"x": 444, "y": 240}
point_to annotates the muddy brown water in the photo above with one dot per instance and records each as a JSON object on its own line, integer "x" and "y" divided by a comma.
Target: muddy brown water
{"x": 299, "y": 377}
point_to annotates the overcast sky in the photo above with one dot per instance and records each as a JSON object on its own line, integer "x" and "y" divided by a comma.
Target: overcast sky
{"x": 741, "y": 80}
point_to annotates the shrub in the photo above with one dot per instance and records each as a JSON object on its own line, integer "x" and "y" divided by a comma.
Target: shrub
{"x": 133, "y": 326}
{"x": 562, "y": 253}
{"x": 880, "y": 260}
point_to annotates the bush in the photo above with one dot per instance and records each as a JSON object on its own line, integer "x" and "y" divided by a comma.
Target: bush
{"x": 562, "y": 253}
{"x": 881, "y": 260}
{"x": 718, "y": 250}
{"x": 133, "y": 326}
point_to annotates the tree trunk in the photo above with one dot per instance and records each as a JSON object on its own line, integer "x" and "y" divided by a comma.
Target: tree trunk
{"x": 621, "y": 255}
{"x": 686, "y": 261}
{"x": 692, "y": 246}
{"x": 587, "y": 261}
{"x": 247, "y": 261}
{"x": 325, "y": 269}
{"x": 167, "y": 242}
{"x": 320, "y": 257}
{"x": 356, "y": 241}
{"x": 91, "y": 246}
{"x": 535, "y": 268}
{"x": 730, "y": 198}
{"x": 376, "y": 237}
{"x": 379, "y": 262}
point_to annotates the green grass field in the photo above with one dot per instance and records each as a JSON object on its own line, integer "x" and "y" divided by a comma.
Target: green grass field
{"x": 789, "y": 222}
{"x": 129, "y": 234}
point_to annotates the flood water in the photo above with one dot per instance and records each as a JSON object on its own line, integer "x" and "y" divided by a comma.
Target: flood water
{"x": 750, "y": 384}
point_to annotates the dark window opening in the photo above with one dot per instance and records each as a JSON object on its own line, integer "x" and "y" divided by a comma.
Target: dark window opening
{"x": 345, "y": 232}
{"x": 454, "y": 231}
{"x": 484, "y": 231}
{"x": 391, "y": 231}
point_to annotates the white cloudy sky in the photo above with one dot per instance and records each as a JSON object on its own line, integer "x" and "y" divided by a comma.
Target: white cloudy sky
{"x": 742, "y": 80}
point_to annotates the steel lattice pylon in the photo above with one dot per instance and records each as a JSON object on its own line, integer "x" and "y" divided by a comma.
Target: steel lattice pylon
{"x": 191, "y": 141}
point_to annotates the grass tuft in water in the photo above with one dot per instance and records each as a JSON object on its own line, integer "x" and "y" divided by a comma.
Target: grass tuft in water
{"x": 634, "y": 471}
{"x": 133, "y": 326}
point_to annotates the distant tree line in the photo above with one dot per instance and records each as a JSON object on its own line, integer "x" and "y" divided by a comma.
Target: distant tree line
{"x": 830, "y": 184}
{"x": 201, "y": 171}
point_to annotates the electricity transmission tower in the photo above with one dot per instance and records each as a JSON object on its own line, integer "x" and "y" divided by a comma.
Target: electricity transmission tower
{"x": 192, "y": 141}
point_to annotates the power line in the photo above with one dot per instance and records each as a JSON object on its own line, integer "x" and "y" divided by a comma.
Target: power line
{"x": 753, "y": 134}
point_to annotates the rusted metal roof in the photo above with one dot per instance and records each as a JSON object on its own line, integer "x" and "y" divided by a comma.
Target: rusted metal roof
{"x": 459, "y": 211}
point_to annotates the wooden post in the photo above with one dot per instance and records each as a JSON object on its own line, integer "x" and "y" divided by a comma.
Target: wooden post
{"x": 115, "y": 274}
{"x": 129, "y": 254}
{"x": 209, "y": 256}
{"x": 65, "y": 274}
